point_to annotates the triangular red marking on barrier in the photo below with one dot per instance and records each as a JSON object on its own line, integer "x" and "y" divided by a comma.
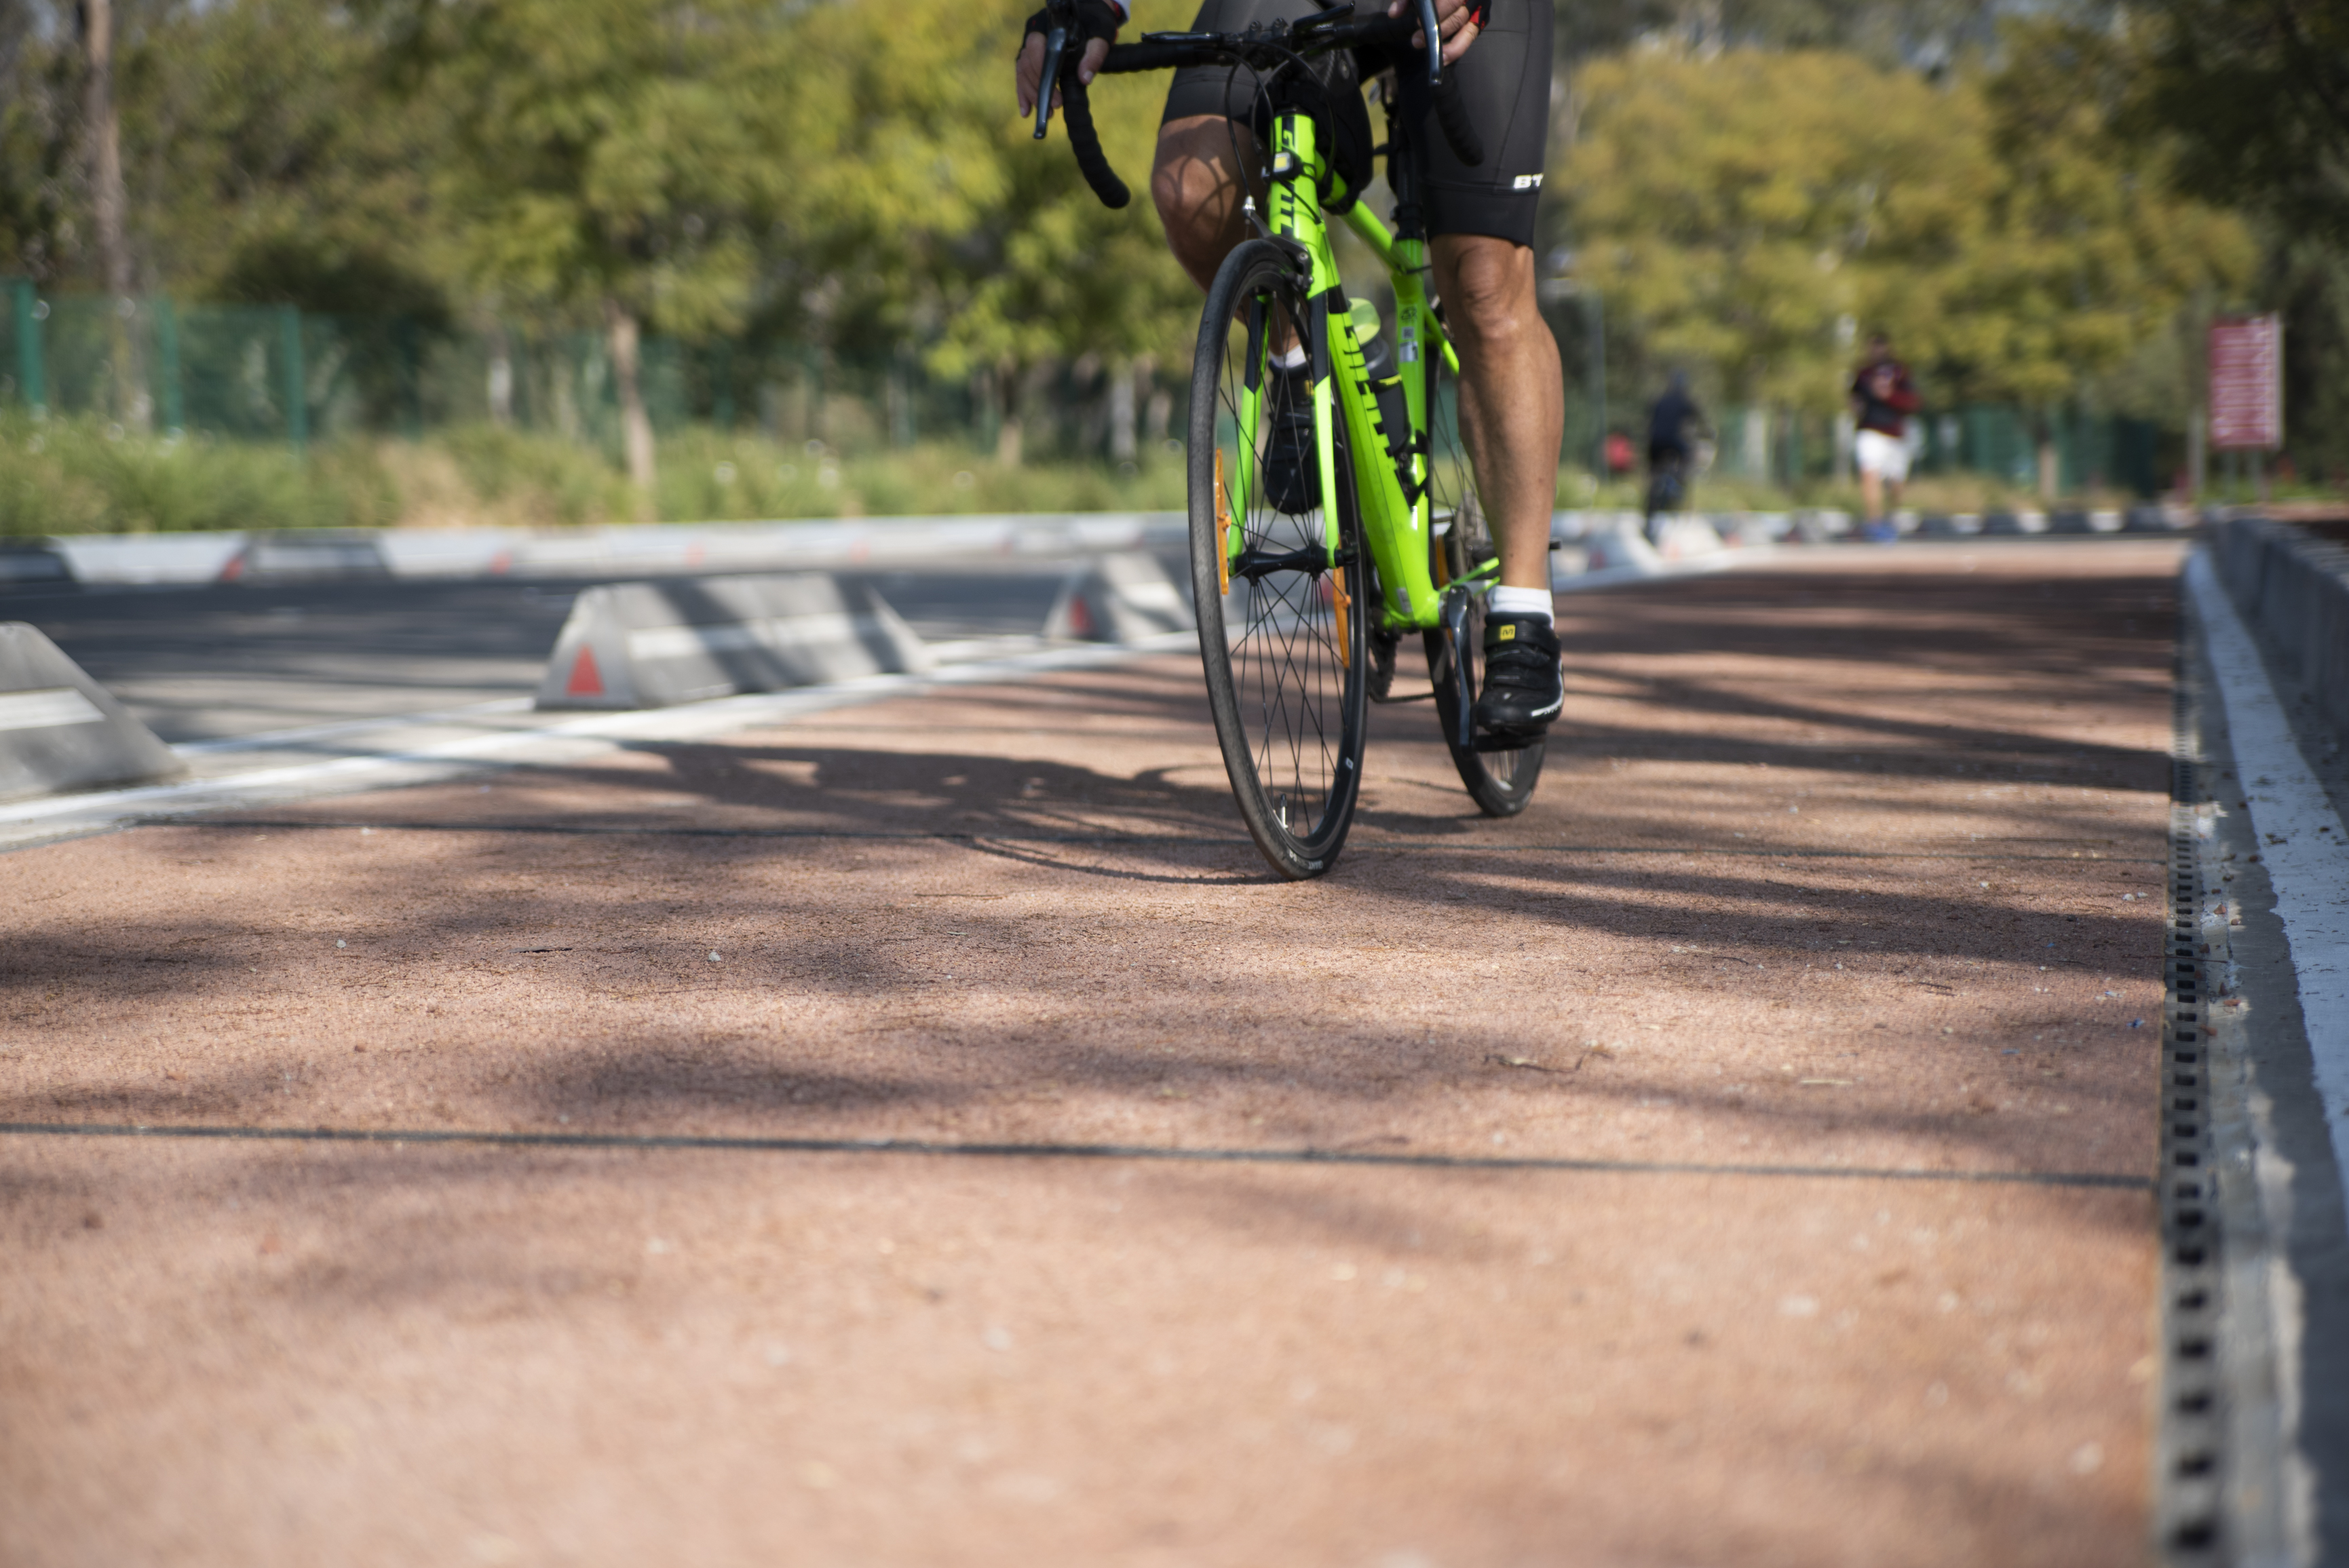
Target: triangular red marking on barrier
{"x": 585, "y": 679}
{"x": 1081, "y": 616}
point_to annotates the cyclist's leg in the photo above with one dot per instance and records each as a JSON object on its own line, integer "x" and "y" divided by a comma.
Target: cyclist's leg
{"x": 1198, "y": 185}
{"x": 1513, "y": 401}
{"x": 1482, "y": 219}
{"x": 1209, "y": 160}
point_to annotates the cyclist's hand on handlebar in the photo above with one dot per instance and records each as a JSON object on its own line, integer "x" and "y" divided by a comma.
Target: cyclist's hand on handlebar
{"x": 1458, "y": 20}
{"x": 1097, "y": 24}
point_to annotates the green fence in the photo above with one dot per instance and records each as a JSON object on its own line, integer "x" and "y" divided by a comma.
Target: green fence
{"x": 2092, "y": 450}
{"x": 272, "y": 373}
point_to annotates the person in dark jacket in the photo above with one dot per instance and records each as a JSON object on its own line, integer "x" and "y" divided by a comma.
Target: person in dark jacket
{"x": 1674, "y": 424}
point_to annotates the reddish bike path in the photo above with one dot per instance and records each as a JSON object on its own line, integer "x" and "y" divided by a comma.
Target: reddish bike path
{"x": 1744, "y": 1152}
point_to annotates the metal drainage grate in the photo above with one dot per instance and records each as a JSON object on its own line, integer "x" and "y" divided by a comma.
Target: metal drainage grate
{"x": 2188, "y": 1484}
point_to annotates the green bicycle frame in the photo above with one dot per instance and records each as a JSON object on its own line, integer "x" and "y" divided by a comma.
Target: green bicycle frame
{"x": 1398, "y": 520}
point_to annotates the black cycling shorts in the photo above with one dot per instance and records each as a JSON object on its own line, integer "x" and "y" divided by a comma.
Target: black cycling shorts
{"x": 1504, "y": 80}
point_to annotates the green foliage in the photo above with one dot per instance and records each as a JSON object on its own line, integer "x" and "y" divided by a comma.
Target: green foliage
{"x": 74, "y": 476}
{"x": 707, "y": 474}
{"x": 80, "y": 476}
{"x": 2256, "y": 93}
{"x": 1752, "y": 211}
{"x": 619, "y": 149}
{"x": 534, "y": 479}
{"x": 924, "y": 210}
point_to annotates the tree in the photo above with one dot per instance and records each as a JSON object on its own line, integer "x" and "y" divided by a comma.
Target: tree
{"x": 1752, "y": 211}
{"x": 616, "y": 157}
{"x": 925, "y": 212}
{"x": 2254, "y": 94}
{"x": 1739, "y": 209}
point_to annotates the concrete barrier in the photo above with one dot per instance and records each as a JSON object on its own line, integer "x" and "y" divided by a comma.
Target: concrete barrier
{"x": 653, "y": 645}
{"x": 1623, "y": 548}
{"x": 148, "y": 560}
{"x": 325, "y": 555}
{"x": 1683, "y": 536}
{"x": 1120, "y": 598}
{"x": 29, "y": 566}
{"x": 2292, "y": 588}
{"x": 61, "y": 731}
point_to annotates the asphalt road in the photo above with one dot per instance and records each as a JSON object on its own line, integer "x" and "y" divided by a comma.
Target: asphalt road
{"x": 237, "y": 660}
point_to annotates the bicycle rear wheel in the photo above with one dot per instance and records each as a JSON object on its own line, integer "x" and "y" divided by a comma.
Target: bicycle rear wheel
{"x": 1499, "y": 771}
{"x": 1280, "y": 628}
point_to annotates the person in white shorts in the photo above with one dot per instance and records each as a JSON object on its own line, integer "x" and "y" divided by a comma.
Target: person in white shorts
{"x": 1882, "y": 397}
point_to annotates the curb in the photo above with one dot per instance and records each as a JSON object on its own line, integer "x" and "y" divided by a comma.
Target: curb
{"x": 2292, "y": 589}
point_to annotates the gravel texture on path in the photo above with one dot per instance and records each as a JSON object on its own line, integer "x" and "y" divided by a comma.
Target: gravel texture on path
{"x": 1849, "y": 866}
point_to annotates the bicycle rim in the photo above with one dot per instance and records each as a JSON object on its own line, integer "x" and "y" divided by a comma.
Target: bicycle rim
{"x": 1500, "y": 775}
{"x": 1283, "y": 647}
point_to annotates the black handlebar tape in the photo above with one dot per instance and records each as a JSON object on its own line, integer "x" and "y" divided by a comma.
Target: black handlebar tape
{"x": 1077, "y": 109}
{"x": 1451, "y": 114}
{"x": 1126, "y": 58}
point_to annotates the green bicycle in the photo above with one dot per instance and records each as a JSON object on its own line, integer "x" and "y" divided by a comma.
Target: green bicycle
{"x": 1307, "y": 579}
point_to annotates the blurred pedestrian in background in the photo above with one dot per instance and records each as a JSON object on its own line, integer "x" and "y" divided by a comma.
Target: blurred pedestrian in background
{"x": 1883, "y": 398}
{"x": 1675, "y": 424}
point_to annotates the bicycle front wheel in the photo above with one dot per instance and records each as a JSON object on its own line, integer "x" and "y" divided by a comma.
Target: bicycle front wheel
{"x": 1280, "y": 623}
{"x": 1499, "y": 771}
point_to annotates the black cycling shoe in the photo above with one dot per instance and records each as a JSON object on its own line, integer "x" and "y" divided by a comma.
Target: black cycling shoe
{"x": 1524, "y": 689}
{"x": 1292, "y": 469}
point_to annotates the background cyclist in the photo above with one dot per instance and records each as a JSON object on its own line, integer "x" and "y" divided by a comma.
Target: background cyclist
{"x": 1674, "y": 424}
{"x": 1480, "y": 223}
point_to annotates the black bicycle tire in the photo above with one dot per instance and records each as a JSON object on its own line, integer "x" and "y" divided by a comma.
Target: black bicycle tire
{"x": 1235, "y": 696}
{"x": 1500, "y": 781}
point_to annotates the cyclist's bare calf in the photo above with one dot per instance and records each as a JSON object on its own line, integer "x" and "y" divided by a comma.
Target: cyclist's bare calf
{"x": 1513, "y": 393}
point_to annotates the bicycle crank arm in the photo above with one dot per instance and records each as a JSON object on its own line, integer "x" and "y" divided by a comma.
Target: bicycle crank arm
{"x": 1455, "y": 637}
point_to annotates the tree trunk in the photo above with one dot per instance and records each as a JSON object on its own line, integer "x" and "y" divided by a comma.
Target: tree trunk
{"x": 1007, "y": 434}
{"x": 1158, "y": 405}
{"x": 636, "y": 425}
{"x": 1123, "y": 444}
{"x": 500, "y": 387}
{"x": 103, "y": 128}
{"x": 2051, "y": 468}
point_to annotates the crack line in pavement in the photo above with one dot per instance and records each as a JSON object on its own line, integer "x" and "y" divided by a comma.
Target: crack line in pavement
{"x": 592, "y": 830}
{"x": 2094, "y": 1179}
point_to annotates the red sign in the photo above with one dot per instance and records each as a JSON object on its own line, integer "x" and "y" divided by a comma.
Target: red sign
{"x": 2247, "y": 382}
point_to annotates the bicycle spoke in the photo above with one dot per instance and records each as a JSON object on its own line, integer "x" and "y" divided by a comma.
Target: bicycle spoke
{"x": 1291, "y": 722}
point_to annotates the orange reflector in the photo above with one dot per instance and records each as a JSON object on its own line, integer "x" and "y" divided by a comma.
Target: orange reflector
{"x": 1223, "y": 528}
{"x": 587, "y": 680}
{"x": 1340, "y": 603}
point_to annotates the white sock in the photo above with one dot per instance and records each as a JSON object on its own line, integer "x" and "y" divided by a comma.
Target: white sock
{"x": 1519, "y": 603}
{"x": 1290, "y": 358}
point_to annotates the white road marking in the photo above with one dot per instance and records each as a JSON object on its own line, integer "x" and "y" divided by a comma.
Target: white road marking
{"x": 25, "y": 822}
{"x": 2301, "y": 844}
{"x": 47, "y": 709}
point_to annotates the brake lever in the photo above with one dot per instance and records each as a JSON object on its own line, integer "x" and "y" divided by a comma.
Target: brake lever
{"x": 1434, "y": 43}
{"x": 1056, "y": 45}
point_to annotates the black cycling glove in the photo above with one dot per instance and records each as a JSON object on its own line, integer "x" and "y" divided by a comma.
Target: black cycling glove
{"x": 1095, "y": 19}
